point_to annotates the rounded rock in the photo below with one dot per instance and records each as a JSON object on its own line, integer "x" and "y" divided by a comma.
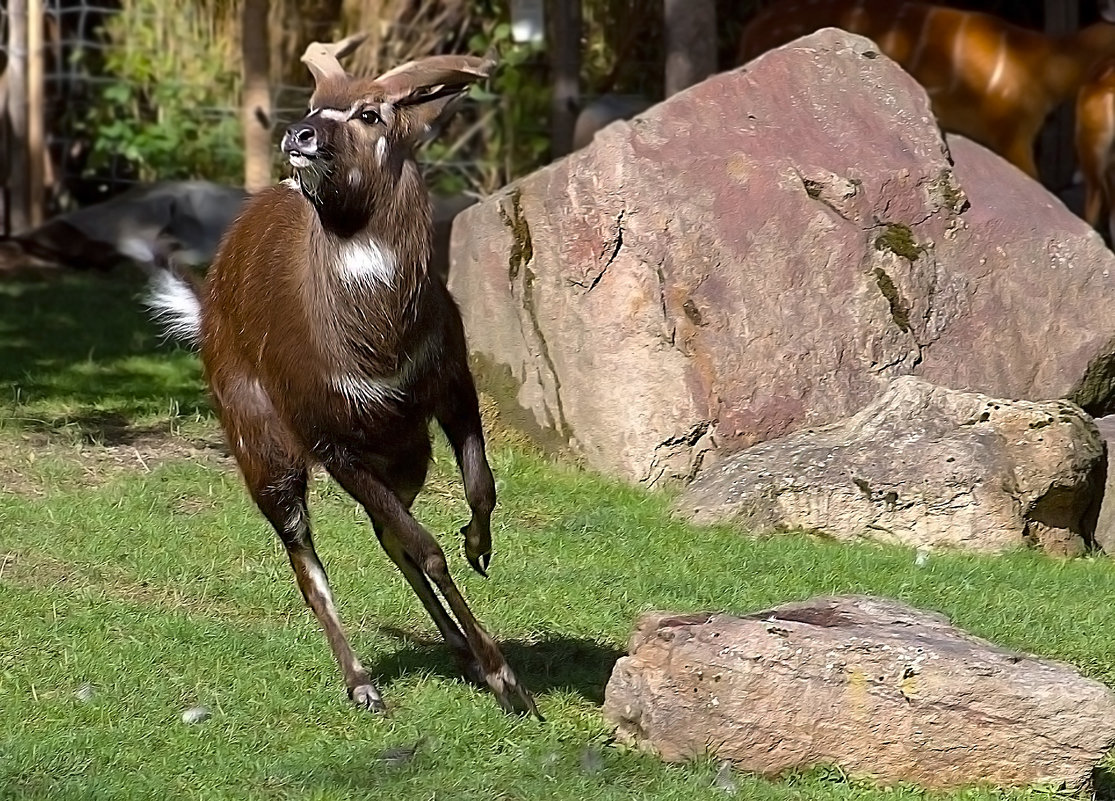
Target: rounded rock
{"x": 195, "y": 714}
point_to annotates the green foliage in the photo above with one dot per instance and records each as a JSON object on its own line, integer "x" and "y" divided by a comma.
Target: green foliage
{"x": 169, "y": 108}
{"x": 522, "y": 135}
{"x": 504, "y": 134}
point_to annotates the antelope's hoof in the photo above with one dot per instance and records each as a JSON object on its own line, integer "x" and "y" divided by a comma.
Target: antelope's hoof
{"x": 478, "y": 550}
{"x": 480, "y": 563}
{"x": 366, "y": 696}
{"x": 512, "y": 696}
{"x": 472, "y": 672}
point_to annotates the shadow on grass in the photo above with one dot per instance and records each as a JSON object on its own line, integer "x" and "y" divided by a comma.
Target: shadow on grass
{"x": 113, "y": 429}
{"x": 1103, "y": 782}
{"x": 552, "y": 662}
{"x": 83, "y": 343}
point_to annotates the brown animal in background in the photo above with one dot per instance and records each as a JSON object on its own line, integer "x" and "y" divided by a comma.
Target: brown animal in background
{"x": 987, "y": 79}
{"x": 1095, "y": 144}
{"x": 325, "y": 339}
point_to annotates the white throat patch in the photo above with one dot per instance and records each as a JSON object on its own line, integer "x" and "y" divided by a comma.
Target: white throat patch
{"x": 364, "y": 392}
{"x": 365, "y": 262}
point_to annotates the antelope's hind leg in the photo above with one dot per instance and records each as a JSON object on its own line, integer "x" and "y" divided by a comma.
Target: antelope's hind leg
{"x": 276, "y": 471}
{"x": 448, "y": 628}
{"x": 423, "y": 563}
{"x": 459, "y": 417}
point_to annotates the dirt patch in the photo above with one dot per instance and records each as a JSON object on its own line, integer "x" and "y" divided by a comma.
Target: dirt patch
{"x": 14, "y": 478}
{"x": 95, "y": 463}
{"x": 150, "y": 448}
{"x": 40, "y": 571}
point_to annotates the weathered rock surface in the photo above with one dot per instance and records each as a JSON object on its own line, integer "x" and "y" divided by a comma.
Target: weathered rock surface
{"x": 764, "y": 252}
{"x": 922, "y": 465}
{"x": 871, "y": 685}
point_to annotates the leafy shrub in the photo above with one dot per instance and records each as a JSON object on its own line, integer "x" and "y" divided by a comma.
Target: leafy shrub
{"x": 168, "y": 105}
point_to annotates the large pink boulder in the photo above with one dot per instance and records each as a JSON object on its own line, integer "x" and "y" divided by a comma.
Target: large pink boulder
{"x": 764, "y": 252}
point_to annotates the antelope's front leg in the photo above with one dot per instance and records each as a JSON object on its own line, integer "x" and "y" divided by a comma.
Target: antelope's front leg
{"x": 278, "y": 487}
{"x": 460, "y": 420}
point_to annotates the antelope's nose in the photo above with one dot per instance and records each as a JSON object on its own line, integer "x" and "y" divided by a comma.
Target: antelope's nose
{"x": 300, "y": 138}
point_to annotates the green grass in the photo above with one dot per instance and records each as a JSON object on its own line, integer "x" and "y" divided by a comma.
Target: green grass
{"x": 135, "y": 563}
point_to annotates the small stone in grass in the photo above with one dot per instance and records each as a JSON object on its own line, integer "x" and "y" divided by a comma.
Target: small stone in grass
{"x": 195, "y": 714}
{"x": 723, "y": 780}
{"x": 84, "y": 692}
{"x": 400, "y": 755}
{"x": 592, "y": 761}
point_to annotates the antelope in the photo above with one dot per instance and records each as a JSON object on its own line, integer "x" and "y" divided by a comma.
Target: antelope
{"x": 987, "y": 79}
{"x": 1095, "y": 144}
{"x": 326, "y": 340}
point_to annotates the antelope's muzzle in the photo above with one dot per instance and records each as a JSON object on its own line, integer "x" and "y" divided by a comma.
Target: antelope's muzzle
{"x": 300, "y": 144}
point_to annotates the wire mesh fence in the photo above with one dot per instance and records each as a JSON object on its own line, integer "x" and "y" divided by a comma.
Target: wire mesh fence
{"x": 78, "y": 53}
{"x": 134, "y": 90}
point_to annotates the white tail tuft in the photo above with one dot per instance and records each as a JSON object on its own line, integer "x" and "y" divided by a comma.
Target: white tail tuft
{"x": 175, "y": 306}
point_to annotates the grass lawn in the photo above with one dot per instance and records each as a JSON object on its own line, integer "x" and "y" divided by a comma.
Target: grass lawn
{"x": 134, "y": 567}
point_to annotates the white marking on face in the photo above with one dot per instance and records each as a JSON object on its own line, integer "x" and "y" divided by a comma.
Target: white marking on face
{"x": 291, "y": 183}
{"x": 381, "y": 150}
{"x": 335, "y": 114}
{"x": 363, "y": 262}
{"x": 355, "y": 176}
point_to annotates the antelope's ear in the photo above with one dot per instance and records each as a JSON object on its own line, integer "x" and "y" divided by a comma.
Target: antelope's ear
{"x": 424, "y": 90}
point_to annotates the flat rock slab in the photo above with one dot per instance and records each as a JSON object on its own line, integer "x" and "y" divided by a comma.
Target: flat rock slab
{"x": 876, "y": 687}
{"x": 925, "y": 466}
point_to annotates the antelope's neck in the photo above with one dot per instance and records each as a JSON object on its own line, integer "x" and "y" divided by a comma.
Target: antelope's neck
{"x": 1079, "y": 53}
{"x": 364, "y": 282}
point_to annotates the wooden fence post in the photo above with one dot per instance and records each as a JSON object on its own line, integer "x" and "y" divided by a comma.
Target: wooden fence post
{"x": 19, "y": 214}
{"x": 256, "y": 99}
{"x": 36, "y": 111}
{"x": 564, "y": 18}
{"x": 690, "y": 27}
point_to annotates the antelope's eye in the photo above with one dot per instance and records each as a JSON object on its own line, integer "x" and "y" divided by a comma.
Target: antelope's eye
{"x": 370, "y": 116}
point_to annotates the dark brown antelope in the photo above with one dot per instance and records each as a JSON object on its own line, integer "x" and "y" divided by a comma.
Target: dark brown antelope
{"x": 325, "y": 340}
